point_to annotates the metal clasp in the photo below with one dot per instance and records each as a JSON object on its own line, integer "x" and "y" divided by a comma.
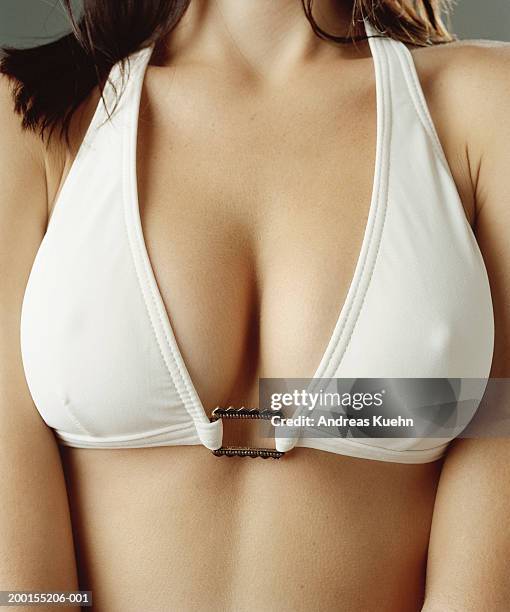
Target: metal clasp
{"x": 241, "y": 451}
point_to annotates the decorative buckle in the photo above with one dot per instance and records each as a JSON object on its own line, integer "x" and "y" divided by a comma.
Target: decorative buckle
{"x": 241, "y": 451}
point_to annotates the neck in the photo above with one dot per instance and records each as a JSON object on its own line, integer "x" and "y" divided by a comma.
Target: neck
{"x": 264, "y": 35}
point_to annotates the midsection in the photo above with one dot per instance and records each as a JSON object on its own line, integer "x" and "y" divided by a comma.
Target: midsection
{"x": 253, "y": 210}
{"x": 180, "y": 529}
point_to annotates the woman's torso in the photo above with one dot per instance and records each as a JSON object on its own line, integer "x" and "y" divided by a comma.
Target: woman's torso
{"x": 253, "y": 239}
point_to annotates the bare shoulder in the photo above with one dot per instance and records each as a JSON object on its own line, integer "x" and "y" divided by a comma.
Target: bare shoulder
{"x": 26, "y": 159}
{"x": 465, "y": 58}
{"x": 467, "y": 87}
{"x": 22, "y": 162}
{"x": 470, "y": 79}
{"x": 14, "y": 139}
{"x": 24, "y": 152}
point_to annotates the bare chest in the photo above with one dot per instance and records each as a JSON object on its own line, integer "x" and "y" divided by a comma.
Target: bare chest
{"x": 253, "y": 212}
{"x": 254, "y": 207}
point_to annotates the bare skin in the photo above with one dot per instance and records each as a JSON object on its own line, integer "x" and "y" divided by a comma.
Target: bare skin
{"x": 249, "y": 181}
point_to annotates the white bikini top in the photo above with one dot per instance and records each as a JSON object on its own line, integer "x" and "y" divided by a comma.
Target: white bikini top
{"x": 100, "y": 357}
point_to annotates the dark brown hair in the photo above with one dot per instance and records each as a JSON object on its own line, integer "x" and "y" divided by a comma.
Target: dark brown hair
{"x": 52, "y": 80}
